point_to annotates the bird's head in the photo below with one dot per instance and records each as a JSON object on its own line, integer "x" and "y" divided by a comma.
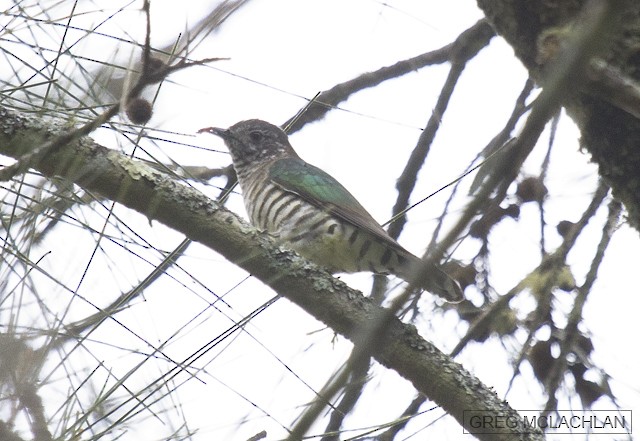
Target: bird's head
{"x": 254, "y": 140}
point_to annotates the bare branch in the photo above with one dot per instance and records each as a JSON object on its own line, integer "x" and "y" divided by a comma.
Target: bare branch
{"x": 159, "y": 197}
{"x": 473, "y": 39}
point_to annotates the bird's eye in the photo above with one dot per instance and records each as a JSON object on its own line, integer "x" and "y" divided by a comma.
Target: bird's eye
{"x": 255, "y": 136}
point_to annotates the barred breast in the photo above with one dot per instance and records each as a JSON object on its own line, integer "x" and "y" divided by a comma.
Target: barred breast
{"x": 316, "y": 234}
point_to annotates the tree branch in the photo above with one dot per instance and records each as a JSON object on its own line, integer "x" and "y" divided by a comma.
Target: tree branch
{"x": 467, "y": 44}
{"x": 606, "y": 104}
{"x": 159, "y": 197}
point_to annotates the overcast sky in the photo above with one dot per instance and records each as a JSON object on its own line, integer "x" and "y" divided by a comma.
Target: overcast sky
{"x": 281, "y": 54}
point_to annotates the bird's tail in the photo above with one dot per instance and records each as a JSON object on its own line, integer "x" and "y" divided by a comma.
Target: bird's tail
{"x": 431, "y": 279}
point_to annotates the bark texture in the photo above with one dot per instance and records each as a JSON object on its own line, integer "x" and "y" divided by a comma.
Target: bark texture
{"x": 610, "y": 128}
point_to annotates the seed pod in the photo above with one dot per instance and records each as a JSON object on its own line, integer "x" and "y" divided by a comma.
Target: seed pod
{"x": 139, "y": 111}
{"x": 564, "y": 227}
{"x": 531, "y": 189}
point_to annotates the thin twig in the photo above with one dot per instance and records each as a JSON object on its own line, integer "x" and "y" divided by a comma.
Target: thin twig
{"x": 478, "y": 34}
{"x": 575, "y": 316}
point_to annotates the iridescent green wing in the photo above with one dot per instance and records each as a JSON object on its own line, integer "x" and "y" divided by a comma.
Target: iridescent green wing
{"x": 322, "y": 190}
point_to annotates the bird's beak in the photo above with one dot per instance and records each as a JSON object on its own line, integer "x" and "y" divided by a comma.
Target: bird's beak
{"x": 222, "y": 133}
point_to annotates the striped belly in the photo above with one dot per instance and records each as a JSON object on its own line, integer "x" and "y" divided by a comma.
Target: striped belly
{"x": 318, "y": 235}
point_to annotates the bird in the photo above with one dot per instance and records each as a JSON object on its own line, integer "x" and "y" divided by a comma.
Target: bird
{"x": 310, "y": 212}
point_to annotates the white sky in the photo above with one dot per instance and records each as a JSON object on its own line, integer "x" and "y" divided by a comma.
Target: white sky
{"x": 280, "y": 52}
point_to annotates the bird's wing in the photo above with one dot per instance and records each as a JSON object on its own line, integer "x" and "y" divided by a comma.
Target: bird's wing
{"x": 322, "y": 190}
